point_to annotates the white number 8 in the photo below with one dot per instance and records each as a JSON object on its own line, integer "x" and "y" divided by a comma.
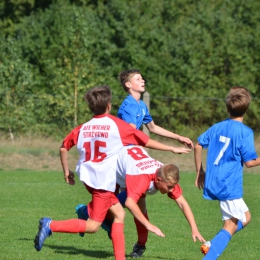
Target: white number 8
{"x": 226, "y": 141}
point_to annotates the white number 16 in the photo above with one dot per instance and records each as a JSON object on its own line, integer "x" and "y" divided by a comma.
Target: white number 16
{"x": 226, "y": 141}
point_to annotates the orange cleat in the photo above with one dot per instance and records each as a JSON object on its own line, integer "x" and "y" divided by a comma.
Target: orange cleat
{"x": 205, "y": 248}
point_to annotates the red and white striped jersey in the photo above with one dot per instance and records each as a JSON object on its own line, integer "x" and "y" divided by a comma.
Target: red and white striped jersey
{"x": 98, "y": 143}
{"x": 136, "y": 171}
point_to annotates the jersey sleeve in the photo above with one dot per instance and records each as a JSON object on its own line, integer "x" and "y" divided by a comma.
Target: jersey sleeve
{"x": 176, "y": 192}
{"x": 72, "y": 138}
{"x": 247, "y": 150}
{"x": 203, "y": 139}
{"x": 128, "y": 134}
{"x": 147, "y": 116}
{"x": 136, "y": 185}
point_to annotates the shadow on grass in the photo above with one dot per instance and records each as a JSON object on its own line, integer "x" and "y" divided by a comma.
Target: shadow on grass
{"x": 71, "y": 250}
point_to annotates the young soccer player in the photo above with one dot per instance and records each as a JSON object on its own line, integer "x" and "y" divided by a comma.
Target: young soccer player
{"x": 135, "y": 112}
{"x": 98, "y": 142}
{"x": 139, "y": 174}
{"x": 230, "y": 144}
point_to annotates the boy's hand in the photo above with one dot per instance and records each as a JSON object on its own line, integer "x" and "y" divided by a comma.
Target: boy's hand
{"x": 181, "y": 150}
{"x": 155, "y": 230}
{"x": 186, "y": 141}
{"x": 199, "y": 182}
{"x": 197, "y": 235}
{"x": 69, "y": 178}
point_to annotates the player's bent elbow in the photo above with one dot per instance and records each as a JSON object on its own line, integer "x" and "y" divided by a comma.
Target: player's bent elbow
{"x": 253, "y": 163}
{"x": 248, "y": 165}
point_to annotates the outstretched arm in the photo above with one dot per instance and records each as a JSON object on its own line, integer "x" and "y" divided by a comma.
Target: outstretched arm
{"x": 159, "y": 146}
{"x": 136, "y": 212}
{"x": 184, "y": 206}
{"x": 68, "y": 175}
{"x": 153, "y": 128}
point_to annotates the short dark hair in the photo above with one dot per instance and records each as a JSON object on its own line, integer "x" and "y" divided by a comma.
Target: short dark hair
{"x": 237, "y": 101}
{"x": 126, "y": 75}
{"x": 98, "y": 99}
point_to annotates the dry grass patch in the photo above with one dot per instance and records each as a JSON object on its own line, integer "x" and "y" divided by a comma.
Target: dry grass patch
{"x": 39, "y": 154}
{"x": 32, "y": 154}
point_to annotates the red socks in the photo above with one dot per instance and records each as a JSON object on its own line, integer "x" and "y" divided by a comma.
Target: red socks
{"x": 79, "y": 226}
{"x": 142, "y": 232}
{"x": 68, "y": 226}
{"x": 118, "y": 240}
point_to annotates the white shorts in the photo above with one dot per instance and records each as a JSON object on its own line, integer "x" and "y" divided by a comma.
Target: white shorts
{"x": 233, "y": 209}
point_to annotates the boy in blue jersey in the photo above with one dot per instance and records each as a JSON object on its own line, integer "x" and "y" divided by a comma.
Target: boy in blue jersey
{"x": 230, "y": 144}
{"x": 135, "y": 112}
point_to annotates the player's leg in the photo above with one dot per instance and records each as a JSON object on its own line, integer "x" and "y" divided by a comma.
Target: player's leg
{"x": 236, "y": 215}
{"x": 82, "y": 212}
{"x": 117, "y": 231}
{"x": 97, "y": 210}
{"x": 47, "y": 226}
{"x": 221, "y": 240}
{"x": 142, "y": 232}
{"x": 240, "y": 224}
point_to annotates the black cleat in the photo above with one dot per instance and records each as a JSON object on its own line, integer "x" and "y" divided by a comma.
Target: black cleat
{"x": 137, "y": 251}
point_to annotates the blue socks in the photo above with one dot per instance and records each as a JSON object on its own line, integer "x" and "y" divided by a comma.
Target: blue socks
{"x": 239, "y": 226}
{"x": 220, "y": 242}
{"x": 218, "y": 245}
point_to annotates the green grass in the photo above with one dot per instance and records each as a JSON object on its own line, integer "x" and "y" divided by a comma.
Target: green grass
{"x": 28, "y": 196}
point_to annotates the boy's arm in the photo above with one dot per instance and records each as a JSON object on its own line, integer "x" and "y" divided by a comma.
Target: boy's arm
{"x": 200, "y": 177}
{"x": 253, "y": 163}
{"x": 159, "y": 146}
{"x": 68, "y": 175}
{"x": 153, "y": 128}
{"x": 137, "y": 213}
{"x": 184, "y": 206}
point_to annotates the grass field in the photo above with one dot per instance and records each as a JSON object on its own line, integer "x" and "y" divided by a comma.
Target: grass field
{"x": 26, "y": 196}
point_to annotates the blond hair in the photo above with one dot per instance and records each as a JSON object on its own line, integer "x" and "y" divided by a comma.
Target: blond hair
{"x": 169, "y": 173}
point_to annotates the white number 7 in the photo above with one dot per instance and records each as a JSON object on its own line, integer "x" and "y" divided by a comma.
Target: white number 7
{"x": 225, "y": 140}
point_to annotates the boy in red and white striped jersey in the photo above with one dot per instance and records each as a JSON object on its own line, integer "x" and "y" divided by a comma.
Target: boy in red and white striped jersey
{"x": 98, "y": 142}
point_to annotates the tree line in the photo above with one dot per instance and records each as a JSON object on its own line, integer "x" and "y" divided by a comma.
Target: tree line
{"x": 189, "y": 52}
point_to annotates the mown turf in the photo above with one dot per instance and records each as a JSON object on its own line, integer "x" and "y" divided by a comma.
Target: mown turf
{"x": 28, "y": 196}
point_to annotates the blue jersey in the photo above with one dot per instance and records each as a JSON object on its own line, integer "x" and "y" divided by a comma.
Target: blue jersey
{"x": 230, "y": 143}
{"x": 134, "y": 112}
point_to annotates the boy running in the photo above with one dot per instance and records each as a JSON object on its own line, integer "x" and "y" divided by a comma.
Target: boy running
{"x": 98, "y": 142}
{"x": 230, "y": 144}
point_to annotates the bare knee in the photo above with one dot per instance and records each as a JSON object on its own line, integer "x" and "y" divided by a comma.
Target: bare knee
{"x": 118, "y": 212}
{"x": 248, "y": 218}
{"x": 120, "y": 216}
{"x": 92, "y": 226}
